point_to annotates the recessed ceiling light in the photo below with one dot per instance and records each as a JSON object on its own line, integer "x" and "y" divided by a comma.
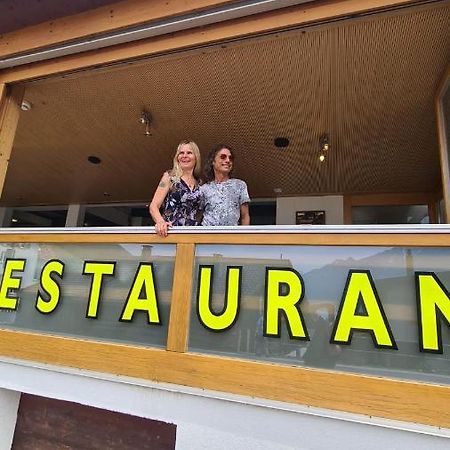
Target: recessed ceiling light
{"x": 94, "y": 159}
{"x": 281, "y": 142}
{"x": 14, "y": 220}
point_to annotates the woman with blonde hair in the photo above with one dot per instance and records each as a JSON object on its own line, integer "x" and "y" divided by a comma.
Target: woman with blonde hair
{"x": 178, "y": 191}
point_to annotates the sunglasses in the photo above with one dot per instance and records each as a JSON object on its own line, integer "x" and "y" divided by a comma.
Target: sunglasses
{"x": 224, "y": 156}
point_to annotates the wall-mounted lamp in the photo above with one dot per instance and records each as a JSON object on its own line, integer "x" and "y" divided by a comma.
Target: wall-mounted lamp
{"x": 146, "y": 119}
{"x": 324, "y": 146}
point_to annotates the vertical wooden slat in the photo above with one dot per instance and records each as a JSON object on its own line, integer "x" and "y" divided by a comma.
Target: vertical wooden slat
{"x": 347, "y": 210}
{"x": 9, "y": 118}
{"x": 433, "y": 211}
{"x": 443, "y": 142}
{"x": 3, "y": 102}
{"x": 180, "y": 307}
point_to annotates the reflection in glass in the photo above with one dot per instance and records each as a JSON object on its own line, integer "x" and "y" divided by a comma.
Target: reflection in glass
{"x": 69, "y": 317}
{"x": 389, "y": 214}
{"x": 324, "y": 271}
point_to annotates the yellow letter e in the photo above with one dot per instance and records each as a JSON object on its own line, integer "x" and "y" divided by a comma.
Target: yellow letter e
{"x": 9, "y": 282}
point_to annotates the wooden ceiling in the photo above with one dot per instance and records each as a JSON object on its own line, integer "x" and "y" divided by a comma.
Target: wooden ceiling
{"x": 369, "y": 83}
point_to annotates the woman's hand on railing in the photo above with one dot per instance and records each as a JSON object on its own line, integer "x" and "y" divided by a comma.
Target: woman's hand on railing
{"x": 162, "y": 227}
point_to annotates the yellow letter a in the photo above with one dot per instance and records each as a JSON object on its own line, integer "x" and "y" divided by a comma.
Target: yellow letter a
{"x": 142, "y": 281}
{"x": 360, "y": 286}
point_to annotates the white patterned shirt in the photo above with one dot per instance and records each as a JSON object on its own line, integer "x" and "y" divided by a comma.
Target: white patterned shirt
{"x": 223, "y": 202}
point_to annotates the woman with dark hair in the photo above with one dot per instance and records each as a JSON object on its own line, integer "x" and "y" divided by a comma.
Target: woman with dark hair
{"x": 178, "y": 191}
{"x": 226, "y": 199}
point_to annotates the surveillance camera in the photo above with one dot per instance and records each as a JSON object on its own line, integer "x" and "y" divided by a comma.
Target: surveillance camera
{"x": 25, "y": 106}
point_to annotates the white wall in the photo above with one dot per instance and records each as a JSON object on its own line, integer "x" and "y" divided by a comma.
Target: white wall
{"x": 211, "y": 420}
{"x": 333, "y": 205}
{"x": 9, "y": 404}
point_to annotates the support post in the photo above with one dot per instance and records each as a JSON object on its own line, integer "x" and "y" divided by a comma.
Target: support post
{"x": 75, "y": 215}
{"x": 180, "y": 307}
{"x": 9, "y": 117}
{"x": 9, "y": 405}
{"x": 442, "y": 120}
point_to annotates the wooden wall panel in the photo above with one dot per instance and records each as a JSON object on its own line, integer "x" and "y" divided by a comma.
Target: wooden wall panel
{"x": 48, "y": 424}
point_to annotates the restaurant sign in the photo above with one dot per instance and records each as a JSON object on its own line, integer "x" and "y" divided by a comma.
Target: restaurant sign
{"x": 284, "y": 289}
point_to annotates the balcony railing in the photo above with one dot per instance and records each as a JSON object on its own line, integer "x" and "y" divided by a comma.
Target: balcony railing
{"x": 348, "y": 318}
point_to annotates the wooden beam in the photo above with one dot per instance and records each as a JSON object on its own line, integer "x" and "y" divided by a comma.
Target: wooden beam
{"x": 270, "y": 238}
{"x": 306, "y": 14}
{"x": 105, "y": 19}
{"x": 444, "y": 141}
{"x": 382, "y": 397}
{"x": 180, "y": 306}
{"x": 8, "y": 126}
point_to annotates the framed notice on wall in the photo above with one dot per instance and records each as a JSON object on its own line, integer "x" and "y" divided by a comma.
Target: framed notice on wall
{"x": 310, "y": 217}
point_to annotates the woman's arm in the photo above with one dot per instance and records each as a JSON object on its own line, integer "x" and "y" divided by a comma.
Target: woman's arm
{"x": 244, "y": 199}
{"x": 160, "y": 194}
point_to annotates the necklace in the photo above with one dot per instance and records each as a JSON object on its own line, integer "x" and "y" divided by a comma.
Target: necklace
{"x": 190, "y": 182}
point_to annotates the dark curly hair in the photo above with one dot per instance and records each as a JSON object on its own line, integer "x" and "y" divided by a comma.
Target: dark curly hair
{"x": 209, "y": 169}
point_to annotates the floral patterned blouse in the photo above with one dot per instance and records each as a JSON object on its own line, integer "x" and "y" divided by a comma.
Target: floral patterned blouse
{"x": 182, "y": 205}
{"x": 223, "y": 202}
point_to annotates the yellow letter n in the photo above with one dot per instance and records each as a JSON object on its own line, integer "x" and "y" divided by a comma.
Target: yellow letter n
{"x": 432, "y": 301}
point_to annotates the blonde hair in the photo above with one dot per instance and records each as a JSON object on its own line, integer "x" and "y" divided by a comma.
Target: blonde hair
{"x": 176, "y": 171}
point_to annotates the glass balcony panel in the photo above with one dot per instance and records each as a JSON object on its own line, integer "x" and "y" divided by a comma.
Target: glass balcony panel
{"x": 324, "y": 270}
{"x": 69, "y": 317}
